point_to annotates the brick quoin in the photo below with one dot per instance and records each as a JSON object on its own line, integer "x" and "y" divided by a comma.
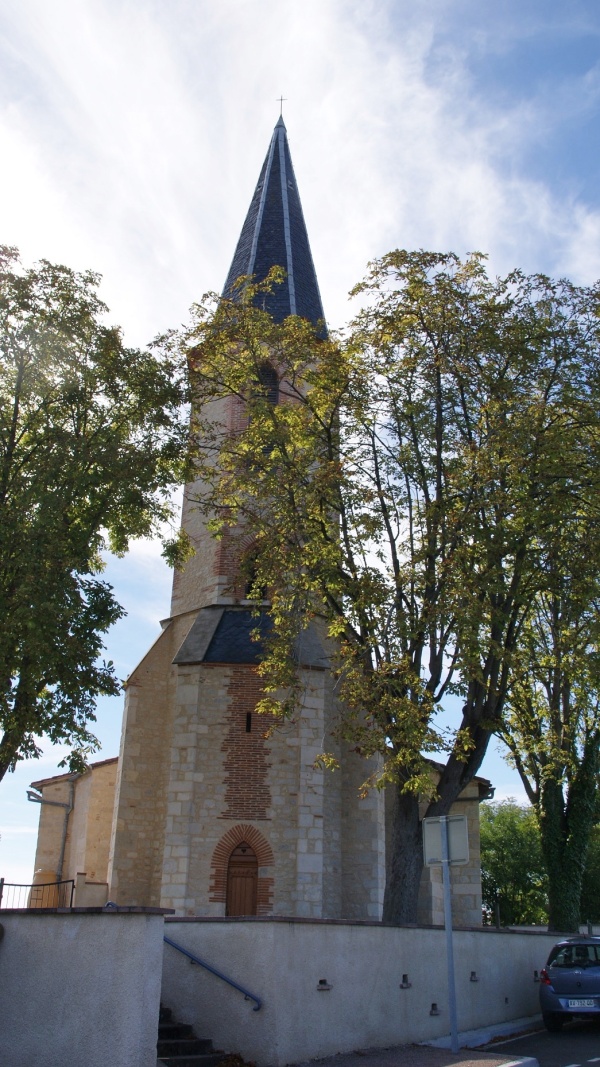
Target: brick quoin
{"x": 247, "y": 793}
{"x": 220, "y": 860}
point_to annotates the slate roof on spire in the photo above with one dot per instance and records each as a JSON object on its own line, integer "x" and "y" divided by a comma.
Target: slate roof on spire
{"x": 274, "y": 234}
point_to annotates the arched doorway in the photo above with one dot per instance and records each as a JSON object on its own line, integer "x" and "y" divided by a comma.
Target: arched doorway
{"x": 242, "y": 881}
{"x": 250, "y": 838}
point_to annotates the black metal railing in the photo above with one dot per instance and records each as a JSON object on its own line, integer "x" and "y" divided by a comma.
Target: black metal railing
{"x": 46, "y": 895}
{"x": 202, "y": 963}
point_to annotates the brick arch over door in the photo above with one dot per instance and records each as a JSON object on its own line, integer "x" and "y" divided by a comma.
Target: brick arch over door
{"x": 264, "y": 855}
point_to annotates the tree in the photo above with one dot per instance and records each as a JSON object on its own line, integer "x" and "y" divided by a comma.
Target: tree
{"x": 92, "y": 440}
{"x": 590, "y": 889}
{"x": 513, "y": 876}
{"x": 513, "y": 870}
{"x": 552, "y": 724}
{"x": 399, "y": 493}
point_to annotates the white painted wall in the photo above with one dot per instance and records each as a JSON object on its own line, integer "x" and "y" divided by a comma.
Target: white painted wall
{"x": 80, "y": 989}
{"x": 282, "y": 961}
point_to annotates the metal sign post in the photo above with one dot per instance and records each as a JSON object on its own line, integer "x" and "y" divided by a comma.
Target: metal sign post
{"x": 445, "y": 841}
{"x": 448, "y": 927}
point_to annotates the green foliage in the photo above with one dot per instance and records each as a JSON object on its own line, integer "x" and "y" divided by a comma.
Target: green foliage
{"x": 406, "y": 494}
{"x": 552, "y": 723}
{"x": 513, "y": 876}
{"x": 92, "y": 440}
{"x": 590, "y": 887}
{"x": 514, "y": 872}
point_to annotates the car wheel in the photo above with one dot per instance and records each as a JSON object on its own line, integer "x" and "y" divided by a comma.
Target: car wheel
{"x": 553, "y": 1022}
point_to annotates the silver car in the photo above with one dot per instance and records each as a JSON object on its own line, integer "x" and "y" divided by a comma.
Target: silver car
{"x": 570, "y": 981}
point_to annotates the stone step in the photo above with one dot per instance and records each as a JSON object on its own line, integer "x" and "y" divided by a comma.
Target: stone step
{"x": 184, "y": 1046}
{"x": 178, "y": 1046}
{"x": 208, "y": 1060}
{"x": 173, "y": 1031}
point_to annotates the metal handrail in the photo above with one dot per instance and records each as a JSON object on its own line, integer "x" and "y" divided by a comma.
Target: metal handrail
{"x": 30, "y": 891}
{"x": 202, "y": 963}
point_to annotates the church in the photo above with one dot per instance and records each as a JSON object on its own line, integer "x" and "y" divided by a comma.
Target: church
{"x": 201, "y": 812}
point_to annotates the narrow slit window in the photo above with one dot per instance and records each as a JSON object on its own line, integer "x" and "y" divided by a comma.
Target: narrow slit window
{"x": 249, "y": 722}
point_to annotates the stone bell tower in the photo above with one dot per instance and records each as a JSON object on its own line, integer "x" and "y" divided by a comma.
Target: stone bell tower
{"x": 212, "y": 817}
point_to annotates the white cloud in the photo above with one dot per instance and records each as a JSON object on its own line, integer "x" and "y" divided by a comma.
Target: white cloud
{"x": 136, "y": 133}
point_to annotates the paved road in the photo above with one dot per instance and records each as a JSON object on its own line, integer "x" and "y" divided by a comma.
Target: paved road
{"x": 578, "y": 1045}
{"x": 417, "y": 1056}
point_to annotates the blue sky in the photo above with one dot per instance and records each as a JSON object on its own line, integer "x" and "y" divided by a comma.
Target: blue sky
{"x": 132, "y": 133}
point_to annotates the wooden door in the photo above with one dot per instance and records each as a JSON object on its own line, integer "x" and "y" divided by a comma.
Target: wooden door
{"x": 242, "y": 881}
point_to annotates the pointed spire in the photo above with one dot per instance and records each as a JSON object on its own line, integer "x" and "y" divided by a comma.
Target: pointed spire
{"x": 274, "y": 234}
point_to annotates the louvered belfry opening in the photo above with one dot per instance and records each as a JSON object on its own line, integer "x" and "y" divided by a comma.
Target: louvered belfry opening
{"x": 242, "y": 881}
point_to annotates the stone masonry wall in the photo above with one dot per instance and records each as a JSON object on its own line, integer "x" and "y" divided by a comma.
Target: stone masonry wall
{"x": 223, "y": 778}
{"x": 227, "y": 783}
{"x": 363, "y": 841}
{"x": 51, "y": 826}
{"x": 88, "y": 825}
{"x": 99, "y": 822}
{"x": 135, "y": 864}
{"x": 208, "y": 575}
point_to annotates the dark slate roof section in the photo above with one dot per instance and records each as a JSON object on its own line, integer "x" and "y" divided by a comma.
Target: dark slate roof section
{"x": 222, "y": 635}
{"x": 274, "y": 234}
{"x": 199, "y": 636}
{"x": 308, "y": 650}
{"x": 232, "y": 642}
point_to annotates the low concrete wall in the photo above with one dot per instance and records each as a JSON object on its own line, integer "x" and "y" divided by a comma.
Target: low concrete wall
{"x": 80, "y": 988}
{"x": 360, "y": 1004}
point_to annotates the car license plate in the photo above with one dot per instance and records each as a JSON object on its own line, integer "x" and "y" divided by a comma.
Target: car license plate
{"x": 582, "y": 1003}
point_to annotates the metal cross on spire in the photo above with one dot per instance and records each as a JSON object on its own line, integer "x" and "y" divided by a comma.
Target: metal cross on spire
{"x": 281, "y": 102}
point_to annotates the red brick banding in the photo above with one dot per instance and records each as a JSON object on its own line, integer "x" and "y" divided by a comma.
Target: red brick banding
{"x": 247, "y": 793}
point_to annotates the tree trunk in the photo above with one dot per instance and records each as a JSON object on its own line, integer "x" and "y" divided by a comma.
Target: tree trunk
{"x": 9, "y": 747}
{"x": 404, "y": 860}
{"x": 404, "y": 846}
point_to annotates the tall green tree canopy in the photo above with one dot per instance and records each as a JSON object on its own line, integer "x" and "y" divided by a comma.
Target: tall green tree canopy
{"x": 514, "y": 875}
{"x": 514, "y": 882}
{"x": 92, "y": 439}
{"x": 406, "y": 491}
{"x": 552, "y": 720}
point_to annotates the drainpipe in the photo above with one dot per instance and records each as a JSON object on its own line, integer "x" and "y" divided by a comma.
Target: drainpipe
{"x": 37, "y": 798}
